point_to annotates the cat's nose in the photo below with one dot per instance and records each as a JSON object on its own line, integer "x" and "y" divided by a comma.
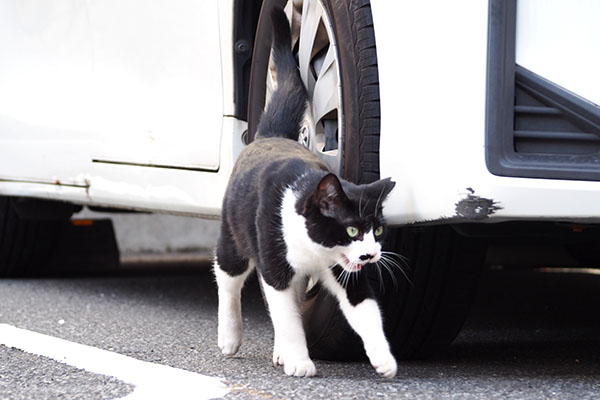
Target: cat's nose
{"x": 366, "y": 257}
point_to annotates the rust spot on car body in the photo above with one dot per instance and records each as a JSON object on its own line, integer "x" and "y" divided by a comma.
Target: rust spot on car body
{"x": 475, "y": 207}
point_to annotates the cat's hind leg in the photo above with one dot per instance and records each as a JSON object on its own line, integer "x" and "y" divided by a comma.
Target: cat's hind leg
{"x": 231, "y": 272}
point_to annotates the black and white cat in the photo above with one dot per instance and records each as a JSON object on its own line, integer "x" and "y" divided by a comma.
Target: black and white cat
{"x": 287, "y": 216}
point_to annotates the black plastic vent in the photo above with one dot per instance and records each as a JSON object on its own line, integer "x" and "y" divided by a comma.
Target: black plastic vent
{"x": 534, "y": 128}
{"x": 549, "y": 120}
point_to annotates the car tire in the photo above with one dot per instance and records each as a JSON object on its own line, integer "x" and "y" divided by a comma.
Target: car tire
{"x": 425, "y": 316}
{"x": 27, "y": 243}
{"x": 424, "y": 306}
{"x": 351, "y": 26}
{"x": 442, "y": 265}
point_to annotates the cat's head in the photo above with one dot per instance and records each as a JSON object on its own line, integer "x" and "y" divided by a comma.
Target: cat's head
{"x": 347, "y": 219}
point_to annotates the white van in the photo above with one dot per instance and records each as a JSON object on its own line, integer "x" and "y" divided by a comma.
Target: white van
{"x": 485, "y": 113}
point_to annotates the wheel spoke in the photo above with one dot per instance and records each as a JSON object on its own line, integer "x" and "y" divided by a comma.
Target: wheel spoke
{"x": 327, "y": 61}
{"x": 311, "y": 16}
{"x": 293, "y": 10}
{"x": 326, "y": 93}
{"x": 317, "y": 63}
{"x": 332, "y": 159}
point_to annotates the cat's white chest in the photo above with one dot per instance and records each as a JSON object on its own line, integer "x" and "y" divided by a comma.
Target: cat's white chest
{"x": 303, "y": 254}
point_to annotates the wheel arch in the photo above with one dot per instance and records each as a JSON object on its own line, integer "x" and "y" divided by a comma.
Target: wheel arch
{"x": 245, "y": 23}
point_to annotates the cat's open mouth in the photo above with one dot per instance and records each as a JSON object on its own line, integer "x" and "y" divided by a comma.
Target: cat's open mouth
{"x": 351, "y": 266}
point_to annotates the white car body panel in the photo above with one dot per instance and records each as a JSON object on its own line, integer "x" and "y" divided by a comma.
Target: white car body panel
{"x": 432, "y": 59}
{"x": 419, "y": 81}
{"x": 142, "y": 84}
{"x": 113, "y": 102}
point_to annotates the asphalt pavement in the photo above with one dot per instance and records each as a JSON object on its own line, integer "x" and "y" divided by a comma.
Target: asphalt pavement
{"x": 530, "y": 335}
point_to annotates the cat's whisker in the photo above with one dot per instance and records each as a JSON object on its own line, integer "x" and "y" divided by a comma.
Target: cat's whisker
{"x": 400, "y": 257}
{"x": 394, "y": 254}
{"x": 346, "y": 278}
{"x": 385, "y": 264}
{"x": 392, "y": 263}
{"x": 339, "y": 277}
{"x": 400, "y": 265}
{"x": 381, "y": 286}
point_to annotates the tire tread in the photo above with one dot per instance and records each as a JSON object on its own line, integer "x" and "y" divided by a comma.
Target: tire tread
{"x": 368, "y": 89}
{"x": 25, "y": 245}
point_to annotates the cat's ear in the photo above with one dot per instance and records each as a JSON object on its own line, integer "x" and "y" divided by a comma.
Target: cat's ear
{"x": 330, "y": 195}
{"x": 381, "y": 189}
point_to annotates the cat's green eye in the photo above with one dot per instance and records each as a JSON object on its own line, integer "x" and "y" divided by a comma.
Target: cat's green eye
{"x": 379, "y": 231}
{"x": 352, "y": 231}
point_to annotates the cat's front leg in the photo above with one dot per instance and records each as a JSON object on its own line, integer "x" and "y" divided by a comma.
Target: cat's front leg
{"x": 290, "y": 348}
{"x": 365, "y": 319}
{"x": 364, "y": 316}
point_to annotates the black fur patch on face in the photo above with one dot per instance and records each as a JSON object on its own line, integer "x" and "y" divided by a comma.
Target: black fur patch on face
{"x": 335, "y": 205}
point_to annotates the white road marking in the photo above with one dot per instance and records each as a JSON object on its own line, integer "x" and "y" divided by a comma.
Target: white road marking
{"x": 151, "y": 381}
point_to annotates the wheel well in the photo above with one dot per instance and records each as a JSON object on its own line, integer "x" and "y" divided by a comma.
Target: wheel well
{"x": 34, "y": 209}
{"x": 245, "y": 21}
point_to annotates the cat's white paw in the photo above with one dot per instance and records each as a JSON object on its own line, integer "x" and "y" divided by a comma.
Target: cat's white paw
{"x": 384, "y": 363}
{"x": 294, "y": 367}
{"x": 229, "y": 348}
{"x": 300, "y": 368}
{"x": 230, "y": 343}
{"x": 387, "y": 369}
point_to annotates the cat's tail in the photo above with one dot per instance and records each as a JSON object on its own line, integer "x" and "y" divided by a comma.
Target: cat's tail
{"x": 285, "y": 111}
